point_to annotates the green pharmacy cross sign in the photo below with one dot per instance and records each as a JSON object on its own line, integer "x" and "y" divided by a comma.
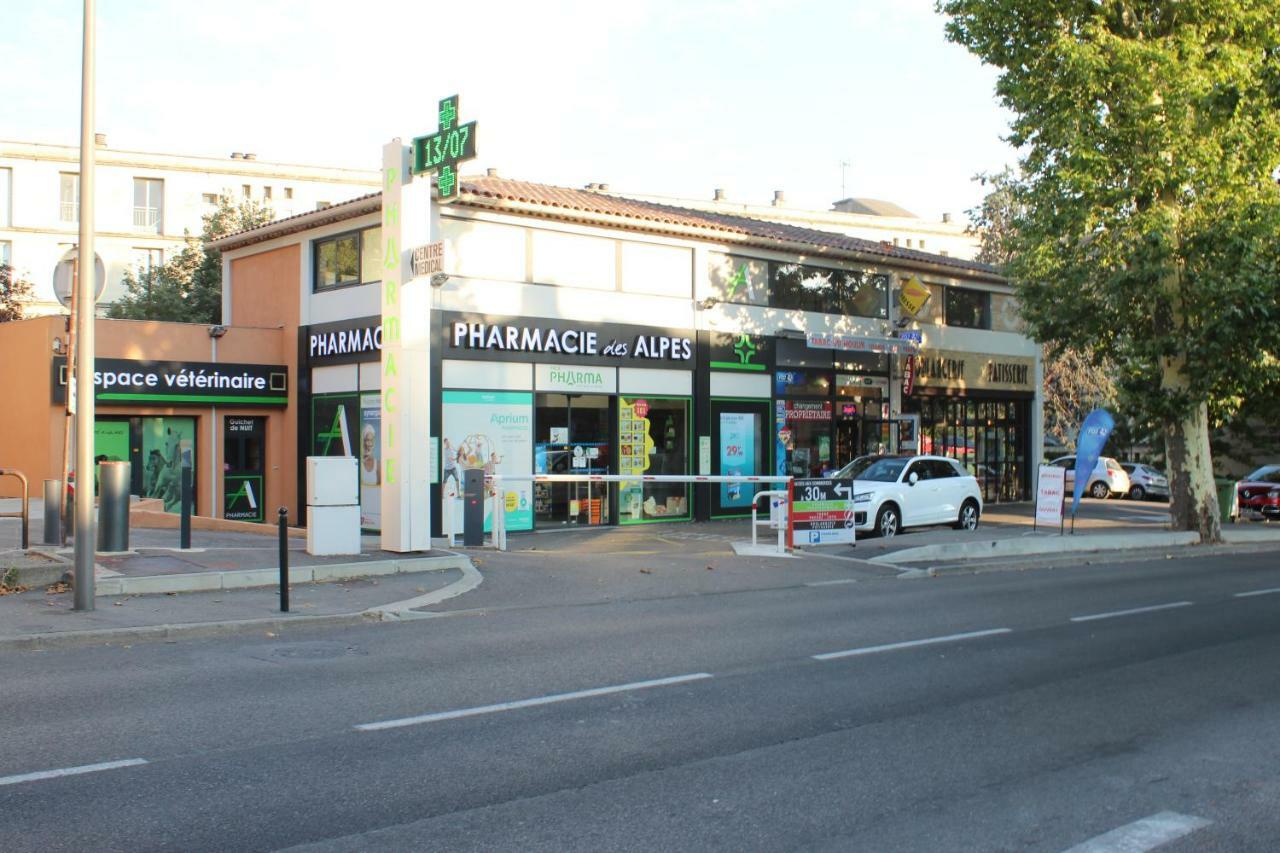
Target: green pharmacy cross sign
{"x": 442, "y": 151}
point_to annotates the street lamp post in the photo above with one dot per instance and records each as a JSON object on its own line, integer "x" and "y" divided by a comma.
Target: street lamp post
{"x": 86, "y": 284}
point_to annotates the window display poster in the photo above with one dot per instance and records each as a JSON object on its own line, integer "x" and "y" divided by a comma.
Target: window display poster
{"x": 167, "y": 444}
{"x": 782, "y": 436}
{"x": 370, "y": 461}
{"x": 737, "y": 456}
{"x": 636, "y": 447}
{"x": 492, "y": 431}
{"x": 110, "y": 444}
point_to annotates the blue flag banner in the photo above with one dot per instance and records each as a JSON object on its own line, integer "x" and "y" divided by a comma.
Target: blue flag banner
{"x": 1093, "y": 435}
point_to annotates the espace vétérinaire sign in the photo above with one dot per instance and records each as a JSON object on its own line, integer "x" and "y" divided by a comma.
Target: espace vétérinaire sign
{"x": 119, "y": 380}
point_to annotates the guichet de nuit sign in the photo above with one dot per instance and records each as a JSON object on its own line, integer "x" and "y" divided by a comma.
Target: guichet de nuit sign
{"x": 530, "y": 339}
{"x": 192, "y": 383}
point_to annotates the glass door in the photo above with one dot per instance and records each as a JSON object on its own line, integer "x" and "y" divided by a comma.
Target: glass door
{"x": 571, "y": 436}
{"x": 243, "y": 471}
{"x": 741, "y": 438}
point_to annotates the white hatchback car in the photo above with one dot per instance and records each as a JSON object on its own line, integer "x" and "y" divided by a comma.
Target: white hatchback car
{"x": 893, "y": 492}
{"x": 1106, "y": 479}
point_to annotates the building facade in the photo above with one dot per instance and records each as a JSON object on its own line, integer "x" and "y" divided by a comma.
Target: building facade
{"x": 579, "y": 332}
{"x": 147, "y": 204}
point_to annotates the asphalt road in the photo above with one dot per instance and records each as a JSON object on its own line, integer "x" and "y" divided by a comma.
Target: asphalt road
{"x": 1050, "y": 707}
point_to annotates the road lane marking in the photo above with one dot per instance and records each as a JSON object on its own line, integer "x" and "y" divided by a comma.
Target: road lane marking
{"x": 1258, "y": 592}
{"x": 889, "y": 647}
{"x": 529, "y": 703}
{"x": 70, "y": 771}
{"x": 1114, "y": 613}
{"x": 833, "y": 583}
{"x": 1141, "y": 835}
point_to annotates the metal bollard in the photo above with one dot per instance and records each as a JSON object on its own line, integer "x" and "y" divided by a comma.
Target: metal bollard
{"x": 52, "y": 518}
{"x": 184, "y": 524}
{"x": 113, "y": 506}
{"x": 284, "y": 559}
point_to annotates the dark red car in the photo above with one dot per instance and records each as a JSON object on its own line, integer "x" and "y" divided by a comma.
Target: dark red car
{"x": 1259, "y": 493}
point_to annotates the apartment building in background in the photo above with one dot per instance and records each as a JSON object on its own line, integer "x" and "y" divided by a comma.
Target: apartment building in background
{"x": 147, "y": 203}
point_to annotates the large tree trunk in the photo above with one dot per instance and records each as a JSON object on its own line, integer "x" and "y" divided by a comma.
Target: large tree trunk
{"x": 1193, "y": 497}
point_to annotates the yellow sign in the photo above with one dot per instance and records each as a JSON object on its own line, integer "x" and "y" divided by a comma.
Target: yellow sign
{"x": 510, "y": 500}
{"x": 912, "y": 297}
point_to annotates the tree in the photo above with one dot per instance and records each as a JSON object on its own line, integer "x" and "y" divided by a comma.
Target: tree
{"x": 14, "y": 294}
{"x": 188, "y": 287}
{"x": 1076, "y": 381}
{"x": 1148, "y": 217}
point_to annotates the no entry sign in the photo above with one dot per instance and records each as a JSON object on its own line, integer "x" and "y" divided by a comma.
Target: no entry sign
{"x": 822, "y": 512}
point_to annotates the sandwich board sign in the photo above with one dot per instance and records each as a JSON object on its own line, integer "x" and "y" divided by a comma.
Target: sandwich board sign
{"x": 822, "y": 512}
{"x": 1051, "y": 490}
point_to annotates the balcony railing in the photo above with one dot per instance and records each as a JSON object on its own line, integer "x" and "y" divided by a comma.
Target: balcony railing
{"x": 70, "y": 211}
{"x": 146, "y": 219}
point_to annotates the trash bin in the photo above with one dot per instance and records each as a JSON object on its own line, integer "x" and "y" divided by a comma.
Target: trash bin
{"x": 1227, "y": 499}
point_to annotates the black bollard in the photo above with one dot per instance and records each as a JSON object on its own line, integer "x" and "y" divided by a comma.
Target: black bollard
{"x": 284, "y": 559}
{"x": 184, "y": 525}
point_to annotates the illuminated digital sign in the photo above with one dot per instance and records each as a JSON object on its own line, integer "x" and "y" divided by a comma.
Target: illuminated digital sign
{"x": 442, "y": 151}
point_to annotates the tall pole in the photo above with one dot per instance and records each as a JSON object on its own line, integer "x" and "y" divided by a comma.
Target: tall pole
{"x": 87, "y": 285}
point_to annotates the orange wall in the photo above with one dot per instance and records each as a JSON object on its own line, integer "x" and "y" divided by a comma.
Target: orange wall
{"x": 31, "y": 428}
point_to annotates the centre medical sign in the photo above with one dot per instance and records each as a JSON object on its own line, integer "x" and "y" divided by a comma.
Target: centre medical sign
{"x": 195, "y": 383}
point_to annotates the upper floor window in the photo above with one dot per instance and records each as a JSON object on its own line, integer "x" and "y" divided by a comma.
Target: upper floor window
{"x": 69, "y": 196}
{"x": 829, "y": 291}
{"x": 209, "y": 198}
{"x": 148, "y": 205}
{"x": 146, "y": 259}
{"x": 6, "y": 253}
{"x": 6, "y": 197}
{"x": 288, "y": 192}
{"x": 266, "y": 193}
{"x": 968, "y": 308}
{"x": 347, "y": 259}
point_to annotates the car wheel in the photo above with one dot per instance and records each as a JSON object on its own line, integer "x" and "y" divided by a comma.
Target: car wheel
{"x": 1138, "y": 493}
{"x": 968, "y": 519}
{"x": 887, "y": 522}
{"x": 1100, "y": 490}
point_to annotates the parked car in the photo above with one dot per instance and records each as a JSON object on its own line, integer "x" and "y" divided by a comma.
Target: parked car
{"x": 1146, "y": 482}
{"x": 1107, "y": 478}
{"x": 1259, "y": 493}
{"x": 894, "y": 492}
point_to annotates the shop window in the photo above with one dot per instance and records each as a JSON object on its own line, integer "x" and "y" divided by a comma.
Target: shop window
{"x": 571, "y": 436}
{"x": 802, "y": 383}
{"x": 168, "y": 444}
{"x": 653, "y": 438}
{"x": 740, "y": 434}
{"x": 830, "y": 291}
{"x": 970, "y": 309}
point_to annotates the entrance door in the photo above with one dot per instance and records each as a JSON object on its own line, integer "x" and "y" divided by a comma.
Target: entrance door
{"x": 572, "y": 436}
{"x": 742, "y": 439}
{"x": 244, "y": 472}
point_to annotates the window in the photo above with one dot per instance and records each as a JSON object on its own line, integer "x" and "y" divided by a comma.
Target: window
{"x": 266, "y": 192}
{"x": 321, "y": 205}
{"x": 6, "y": 253}
{"x": 148, "y": 205}
{"x": 347, "y": 259}
{"x": 147, "y": 259}
{"x": 829, "y": 291}
{"x": 246, "y": 190}
{"x": 6, "y": 197}
{"x": 209, "y": 198}
{"x": 288, "y": 192}
{"x": 69, "y": 193}
{"x": 968, "y": 308}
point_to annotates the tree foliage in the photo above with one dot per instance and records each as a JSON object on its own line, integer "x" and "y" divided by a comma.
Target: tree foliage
{"x": 188, "y": 287}
{"x": 15, "y": 292}
{"x": 1147, "y": 217}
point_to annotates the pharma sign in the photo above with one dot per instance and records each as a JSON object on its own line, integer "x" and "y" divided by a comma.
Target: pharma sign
{"x": 190, "y": 383}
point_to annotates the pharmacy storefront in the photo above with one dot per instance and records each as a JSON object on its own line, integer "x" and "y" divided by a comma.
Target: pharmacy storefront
{"x": 522, "y": 396}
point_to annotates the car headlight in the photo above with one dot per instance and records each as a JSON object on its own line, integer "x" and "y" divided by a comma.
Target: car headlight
{"x": 862, "y": 498}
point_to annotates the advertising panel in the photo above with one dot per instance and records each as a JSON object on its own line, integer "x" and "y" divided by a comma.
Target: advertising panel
{"x": 168, "y": 443}
{"x": 738, "y": 432}
{"x": 1050, "y": 494}
{"x": 492, "y": 431}
{"x": 822, "y": 512}
{"x": 370, "y": 466}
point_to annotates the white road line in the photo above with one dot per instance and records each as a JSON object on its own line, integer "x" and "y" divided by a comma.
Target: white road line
{"x": 70, "y": 771}
{"x": 1114, "y": 613}
{"x": 1141, "y": 835}
{"x": 1258, "y": 592}
{"x": 832, "y": 583}
{"x": 951, "y": 638}
{"x": 529, "y": 703}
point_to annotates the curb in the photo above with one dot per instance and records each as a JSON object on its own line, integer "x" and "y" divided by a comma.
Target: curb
{"x": 394, "y": 612}
{"x": 1039, "y": 545}
{"x": 247, "y": 578}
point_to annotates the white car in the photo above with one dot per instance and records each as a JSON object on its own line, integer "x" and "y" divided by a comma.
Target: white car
{"x": 1107, "y": 479}
{"x": 893, "y": 492}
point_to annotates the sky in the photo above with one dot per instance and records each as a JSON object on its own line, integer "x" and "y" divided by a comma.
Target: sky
{"x": 657, "y": 98}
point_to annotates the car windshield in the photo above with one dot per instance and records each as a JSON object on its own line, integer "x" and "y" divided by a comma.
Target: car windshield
{"x": 883, "y": 470}
{"x": 1267, "y": 474}
{"x": 854, "y": 469}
